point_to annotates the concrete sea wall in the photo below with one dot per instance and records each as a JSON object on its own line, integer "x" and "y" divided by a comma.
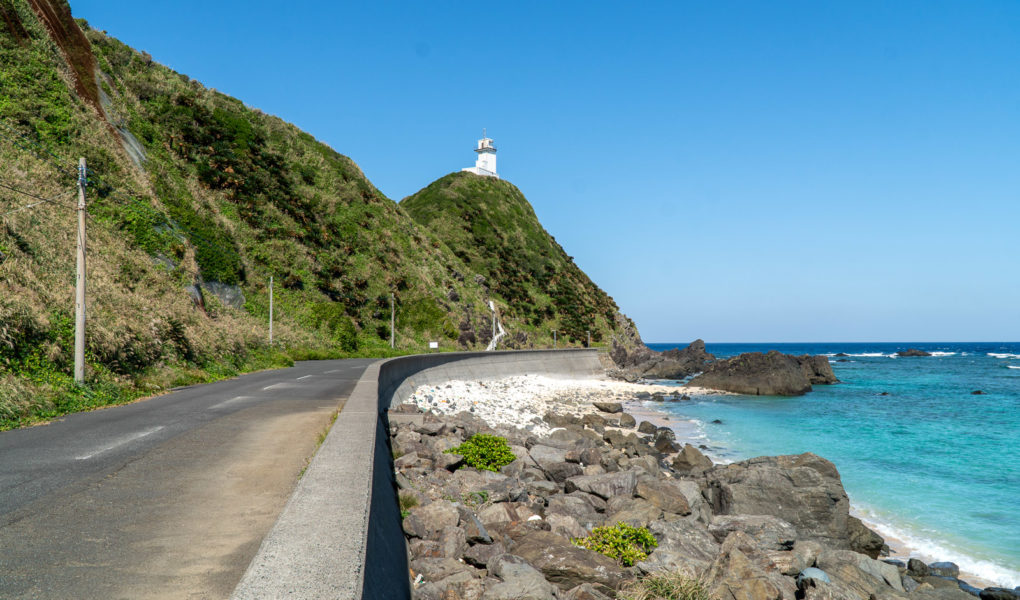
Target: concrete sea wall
{"x": 339, "y": 536}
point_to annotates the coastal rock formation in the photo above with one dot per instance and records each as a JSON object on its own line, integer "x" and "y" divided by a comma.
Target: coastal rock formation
{"x": 771, "y": 374}
{"x": 770, "y": 527}
{"x": 813, "y": 499}
{"x": 913, "y": 352}
{"x": 643, "y": 362}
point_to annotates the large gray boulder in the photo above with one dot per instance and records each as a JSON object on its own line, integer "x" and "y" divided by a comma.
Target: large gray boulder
{"x": 428, "y": 521}
{"x": 604, "y": 486}
{"x": 768, "y": 532}
{"x": 565, "y": 564}
{"x": 691, "y": 460}
{"x": 664, "y": 494}
{"x": 518, "y": 581}
{"x": 636, "y": 512}
{"x": 738, "y": 574}
{"x": 804, "y": 490}
{"x": 863, "y": 575}
{"x": 577, "y": 507}
{"x": 686, "y": 538}
{"x": 771, "y": 374}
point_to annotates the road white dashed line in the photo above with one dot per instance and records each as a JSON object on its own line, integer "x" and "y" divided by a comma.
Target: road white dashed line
{"x": 231, "y": 401}
{"x": 128, "y": 439}
{"x": 304, "y": 377}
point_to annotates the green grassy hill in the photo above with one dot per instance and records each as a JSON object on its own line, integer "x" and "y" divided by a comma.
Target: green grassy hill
{"x": 195, "y": 200}
{"x": 491, "y": 227}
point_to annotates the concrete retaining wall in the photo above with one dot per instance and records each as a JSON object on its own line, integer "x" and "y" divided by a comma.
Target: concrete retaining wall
{"x": 339, "y": 536}
{"x": 399, "y": 377}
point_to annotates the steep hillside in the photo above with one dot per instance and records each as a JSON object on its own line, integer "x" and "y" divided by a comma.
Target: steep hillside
{"x": 488, "y": 224}
{"x": 195, "y": 201}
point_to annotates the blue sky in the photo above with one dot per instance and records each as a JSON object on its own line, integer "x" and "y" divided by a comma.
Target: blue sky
{"x": 735, "y": 171}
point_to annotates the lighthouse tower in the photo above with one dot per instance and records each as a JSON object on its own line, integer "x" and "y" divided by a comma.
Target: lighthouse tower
{"x": 485, "y": 164}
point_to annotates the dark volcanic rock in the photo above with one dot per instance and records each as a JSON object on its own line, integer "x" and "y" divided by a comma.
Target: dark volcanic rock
{"x": 772, "y": 374}
{"x": 913, "y": 352}
{"x": 691, "y": 460}
{"x": 864, "y": 540}
{"x": 944, "y": 569}
{"x": 917, "y": 568}
{"x": 608, "y": 407}
{"x": 817, "y": 369}
{"x": 671, "y": 364}
{"x": 998, "y": 593}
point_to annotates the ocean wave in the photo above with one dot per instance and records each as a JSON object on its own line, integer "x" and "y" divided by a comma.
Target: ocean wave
{"x": 871, "y": 355}
{"x": 930, "y": 550}
{"x": 938, "y": 353}
{"x": 1003, "y": 355}
{"x": 1012, "y": 367}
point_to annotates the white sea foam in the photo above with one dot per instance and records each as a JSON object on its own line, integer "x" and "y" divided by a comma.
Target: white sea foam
{"x": 1013, "y": 366}
{"x": 938, "y": 353}
{"x": 929, "y": 550}
{"x": 1003, "y": 355}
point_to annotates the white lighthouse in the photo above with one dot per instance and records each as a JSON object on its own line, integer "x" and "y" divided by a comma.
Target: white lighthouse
{"x": 485, "y": 164}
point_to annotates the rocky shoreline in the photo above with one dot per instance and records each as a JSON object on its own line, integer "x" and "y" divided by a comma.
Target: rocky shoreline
{"x": 769, "y": 527}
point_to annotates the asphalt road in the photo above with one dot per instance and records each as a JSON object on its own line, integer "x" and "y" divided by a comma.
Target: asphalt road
{"x": 168, "y": 497}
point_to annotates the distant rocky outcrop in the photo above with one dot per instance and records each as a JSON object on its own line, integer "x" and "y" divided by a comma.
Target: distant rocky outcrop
{"x": 771, "y": 374}
{"x": 643, "y": 362}
{"x": 913, "y": 352}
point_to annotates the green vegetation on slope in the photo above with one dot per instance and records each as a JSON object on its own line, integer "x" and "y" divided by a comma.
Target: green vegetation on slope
{"x": 225, "y": 195}
{"x": 195, "y": 201}
{"x": 490, "y": 226}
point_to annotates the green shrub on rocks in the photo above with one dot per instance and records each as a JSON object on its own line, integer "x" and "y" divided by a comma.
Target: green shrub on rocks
{"x": 666, "y": 586}
{"x": 622, "y": 542}
{"x": 485, "y": 452}
{"x": 407, "y": 502}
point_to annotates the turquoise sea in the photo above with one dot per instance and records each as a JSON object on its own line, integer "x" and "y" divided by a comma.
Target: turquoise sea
{"x": 922, "y": 458}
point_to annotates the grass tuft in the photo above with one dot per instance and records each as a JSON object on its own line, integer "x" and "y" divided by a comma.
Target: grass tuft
{"x": 666, "y": 586}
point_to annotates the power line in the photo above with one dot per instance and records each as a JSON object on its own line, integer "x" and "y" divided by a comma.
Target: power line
{"x": 27, "y": 206}
{"x": 29, "y": 194}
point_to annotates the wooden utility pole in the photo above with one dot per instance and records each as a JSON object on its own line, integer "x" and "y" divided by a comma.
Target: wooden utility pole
{"x": 79, "y": 298}
{"x": 270, "y": 310}
{"x": 393, "y": 318}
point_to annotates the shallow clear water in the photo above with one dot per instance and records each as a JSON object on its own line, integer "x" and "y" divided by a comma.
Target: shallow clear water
{"x": 930, "y": 463}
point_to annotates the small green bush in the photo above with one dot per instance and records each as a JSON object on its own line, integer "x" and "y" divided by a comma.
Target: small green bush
{"x": 622, "y": 542}
{"x": 407, "y": 502}
{"x": 485, "y": 452}
{"x": 666, "y": 586}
